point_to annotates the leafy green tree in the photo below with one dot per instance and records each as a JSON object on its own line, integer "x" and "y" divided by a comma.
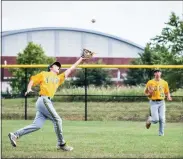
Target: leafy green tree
{"x": 33, "y": 54}
{"x": 140, "y": 76}
{"x": 171, "y": 36}
{"x": 171, "y": 41}
{"x": 96, "y": 76}
{"x": 165, "y": 49}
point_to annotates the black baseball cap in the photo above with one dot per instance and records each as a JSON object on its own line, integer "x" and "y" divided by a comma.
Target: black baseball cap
{"x": 55, "y": 63}
{"x": 157, "y": 70}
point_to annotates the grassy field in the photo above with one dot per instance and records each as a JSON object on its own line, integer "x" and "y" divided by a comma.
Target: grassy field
{"x": 96, "y": 139}
{"x": 136, "y": 111}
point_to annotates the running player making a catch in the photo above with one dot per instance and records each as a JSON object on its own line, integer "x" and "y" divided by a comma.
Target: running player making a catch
{"x": 49, "y": 81}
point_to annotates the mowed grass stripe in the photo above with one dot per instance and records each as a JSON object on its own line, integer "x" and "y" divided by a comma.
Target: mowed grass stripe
{"x": 138, "y": 111}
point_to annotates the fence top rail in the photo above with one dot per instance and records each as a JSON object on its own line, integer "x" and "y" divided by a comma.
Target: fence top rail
{"x": 96, "y": 66}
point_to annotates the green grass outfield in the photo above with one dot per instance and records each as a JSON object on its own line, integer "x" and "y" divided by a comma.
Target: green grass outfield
{"x": 97, "y": 139}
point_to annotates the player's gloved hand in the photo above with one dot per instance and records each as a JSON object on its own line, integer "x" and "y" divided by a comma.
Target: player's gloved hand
{"x": 149, "y": 95}
{"x": 87, "y": 54}
{"x": 150, "y": 91}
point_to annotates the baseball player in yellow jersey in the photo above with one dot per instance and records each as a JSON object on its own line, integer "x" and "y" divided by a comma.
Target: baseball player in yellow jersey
{"x": 156, "y": 90}
{"x": 49, "y": 82}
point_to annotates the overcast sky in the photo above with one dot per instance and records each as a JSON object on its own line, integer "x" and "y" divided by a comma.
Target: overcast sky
{"x": 137, "y": 21}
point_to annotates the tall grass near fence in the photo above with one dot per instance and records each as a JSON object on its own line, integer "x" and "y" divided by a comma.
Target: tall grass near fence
{"x": 108, "y": 90}
{"x": 101, "y": 94}
{"x": 120, "y": 90}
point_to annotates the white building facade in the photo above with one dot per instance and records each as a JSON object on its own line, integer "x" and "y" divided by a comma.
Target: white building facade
{"x": 68, "y": 42}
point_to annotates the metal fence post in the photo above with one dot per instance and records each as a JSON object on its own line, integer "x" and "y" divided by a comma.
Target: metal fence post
{"x": 85, "y": 94}
{"x": 25, "y": 96}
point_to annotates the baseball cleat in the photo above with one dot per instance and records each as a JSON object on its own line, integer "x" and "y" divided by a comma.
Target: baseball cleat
{"x": 12, "y": 138}
{"x": 148, "y": 123}
{"x": 65, "y": 147}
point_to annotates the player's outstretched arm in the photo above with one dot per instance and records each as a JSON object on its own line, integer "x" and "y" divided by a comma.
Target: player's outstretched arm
{"x": 73, "y": 67}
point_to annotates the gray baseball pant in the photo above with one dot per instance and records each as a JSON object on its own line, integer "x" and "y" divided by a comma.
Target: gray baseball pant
{"x": 45, "y": 110}
{"x": 158, "y": 114}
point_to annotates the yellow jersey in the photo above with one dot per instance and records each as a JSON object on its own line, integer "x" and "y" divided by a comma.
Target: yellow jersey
{"x": 160, "y": 88}
{"x": 48, "y": 81}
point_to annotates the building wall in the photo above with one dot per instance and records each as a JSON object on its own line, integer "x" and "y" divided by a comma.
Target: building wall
{"x": 12, "y": 45}
{"x": 69, "y": 43}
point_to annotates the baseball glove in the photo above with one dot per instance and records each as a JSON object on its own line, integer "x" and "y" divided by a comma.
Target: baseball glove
{"x": 87, "y": 54}
{"x": 151, "y": 90}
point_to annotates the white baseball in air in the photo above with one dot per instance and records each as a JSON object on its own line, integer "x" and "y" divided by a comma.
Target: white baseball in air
{"x": 93, "y": 20}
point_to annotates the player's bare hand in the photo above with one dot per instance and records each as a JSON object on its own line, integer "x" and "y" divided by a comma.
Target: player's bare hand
{"x": 28, "y": 91}
{"x": 169, "y": 98}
